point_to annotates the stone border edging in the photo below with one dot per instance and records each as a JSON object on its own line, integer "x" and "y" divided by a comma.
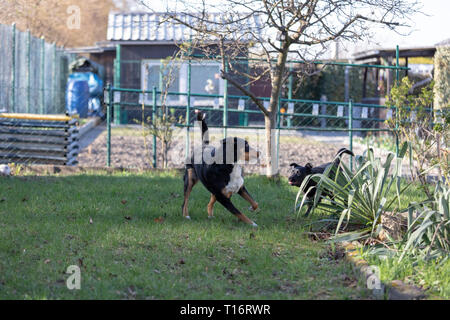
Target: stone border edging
{"x": 395, "y": 290}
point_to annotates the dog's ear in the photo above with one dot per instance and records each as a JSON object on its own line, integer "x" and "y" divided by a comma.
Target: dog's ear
{"x": 308, "y": 166}
{"x": 294, "y": 165}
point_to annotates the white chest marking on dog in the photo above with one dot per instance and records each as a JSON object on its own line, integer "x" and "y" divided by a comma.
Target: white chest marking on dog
{"x": 236, "y": 180}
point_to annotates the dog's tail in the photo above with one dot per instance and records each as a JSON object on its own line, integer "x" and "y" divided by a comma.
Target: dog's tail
{"x": 337, "y": 159}
{"x": 205, "y": 134}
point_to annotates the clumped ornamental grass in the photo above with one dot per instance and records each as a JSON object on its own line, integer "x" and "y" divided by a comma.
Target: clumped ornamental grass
{"x": 362, "y": 197}
{"x": 127, "y": 233}
{"x": 359, "y": 197}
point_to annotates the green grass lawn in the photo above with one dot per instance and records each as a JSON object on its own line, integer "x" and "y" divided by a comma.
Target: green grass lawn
{"x": 127, "y": 234}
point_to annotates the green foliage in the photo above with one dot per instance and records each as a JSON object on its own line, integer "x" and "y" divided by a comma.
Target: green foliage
{"x": 331, "y": 82}
{"x": 428, "y": 235}
{"x": 412, "y": 110}
{"x": 433, "y": 276}
{"x": 423, "y": 252}
{"x": 359, "y": 197}
{"x": 308, "y": 88}
{"x": 442, "y": 76}
{"x": 425, "y": 131}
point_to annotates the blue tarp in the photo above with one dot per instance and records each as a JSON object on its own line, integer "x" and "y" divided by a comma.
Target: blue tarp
{"x": 82, "y": 102}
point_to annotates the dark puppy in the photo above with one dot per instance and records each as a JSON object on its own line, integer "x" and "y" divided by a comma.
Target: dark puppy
{"x": 220, "y": 171}
{"x": 299, "y": 174}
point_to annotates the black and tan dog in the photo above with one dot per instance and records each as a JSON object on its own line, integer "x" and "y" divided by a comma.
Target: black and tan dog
{"x": 219, "y": 169}
{"x": 300, "y": 173}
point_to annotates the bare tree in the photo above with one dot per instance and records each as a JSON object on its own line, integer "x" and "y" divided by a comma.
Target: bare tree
{"x": 275, "y": 31}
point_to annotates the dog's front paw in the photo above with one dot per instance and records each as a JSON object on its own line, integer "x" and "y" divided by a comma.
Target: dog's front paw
{"x": 188, "y": 217}
{"x": 253, "y": 209}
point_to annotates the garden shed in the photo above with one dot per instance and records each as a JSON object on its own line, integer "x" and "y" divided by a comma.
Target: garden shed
{"x": 384, "y": 79}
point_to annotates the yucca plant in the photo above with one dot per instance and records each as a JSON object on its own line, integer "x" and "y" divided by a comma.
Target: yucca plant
{"x": 359, "y": 197}
{"x": 428, "y": 234}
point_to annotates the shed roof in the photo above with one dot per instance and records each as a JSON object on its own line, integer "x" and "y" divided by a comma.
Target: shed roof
{"x": 444, "y": 43}
{"x": 156, "y": 27}
{"x": 403, "y": 53}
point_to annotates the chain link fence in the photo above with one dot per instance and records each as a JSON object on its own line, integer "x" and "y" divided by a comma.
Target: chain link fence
{"x": 131, "y": 144}
{"x": 143, "y": 91}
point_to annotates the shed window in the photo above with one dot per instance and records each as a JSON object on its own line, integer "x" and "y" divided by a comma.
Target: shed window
{"x": 205, "y": 80}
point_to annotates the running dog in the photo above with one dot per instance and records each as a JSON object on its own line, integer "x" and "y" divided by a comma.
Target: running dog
{"x": 219, "y": 169}
{"x": 299, "y": 174}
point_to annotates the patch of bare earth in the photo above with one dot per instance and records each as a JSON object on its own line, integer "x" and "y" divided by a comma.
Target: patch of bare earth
{"x": 128, "y": 150}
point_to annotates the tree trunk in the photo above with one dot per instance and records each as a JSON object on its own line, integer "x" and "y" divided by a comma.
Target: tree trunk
{"x": 272, "y": 168}
{"x": 164, "y": 154}
{"x": 271, "y": 160}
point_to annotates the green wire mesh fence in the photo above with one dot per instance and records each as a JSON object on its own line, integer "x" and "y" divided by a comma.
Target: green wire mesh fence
{"x": 143, "y": 89}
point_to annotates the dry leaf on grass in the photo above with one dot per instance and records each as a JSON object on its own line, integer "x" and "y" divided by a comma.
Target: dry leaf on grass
{"x": 159, "y": 220}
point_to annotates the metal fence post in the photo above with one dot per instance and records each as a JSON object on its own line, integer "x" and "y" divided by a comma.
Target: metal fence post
{"x": 53, "y": 92}
{"x": 188, "y": 105}
{"x": 108, "y": 124}
{"x": 278, "y": 133}
{"x": 42, "y": 104}
{"x": 225, "y": 104}
{"x": 153, "y": 119}
{"x": 13, "y": 69}
{"x": 28, "y": 71}
{"x": 397, "y": 57}
{"x": 117, "y": 65}
{"x": 350, "y": 129}
{"x": 290, "y": 85}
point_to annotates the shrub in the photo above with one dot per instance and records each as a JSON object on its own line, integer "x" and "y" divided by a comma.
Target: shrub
{"x": 426, "y": 131}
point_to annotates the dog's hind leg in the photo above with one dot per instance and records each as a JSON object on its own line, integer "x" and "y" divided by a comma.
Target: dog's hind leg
{"x": 211, "y": 203}
{"x": 190, "y": 179}
{"x": 224, "y": 199}
{"x": 244, "y": 194}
